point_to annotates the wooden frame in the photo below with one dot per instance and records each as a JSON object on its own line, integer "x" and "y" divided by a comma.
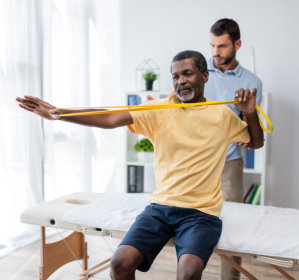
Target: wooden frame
{"x": 71, "y": 248}
{"x": 55, "y": 255}
{"x": 225, "y": 255}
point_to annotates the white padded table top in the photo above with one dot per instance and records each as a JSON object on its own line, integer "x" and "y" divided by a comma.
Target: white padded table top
{"x": 110, "y": 211}
{"x": 50, "y": 213}
{"x": 260, "y": 230}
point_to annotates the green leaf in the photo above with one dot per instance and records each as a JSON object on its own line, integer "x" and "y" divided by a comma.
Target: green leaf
{"x": 144, "y": 145}
{"x": 150, "y": 75}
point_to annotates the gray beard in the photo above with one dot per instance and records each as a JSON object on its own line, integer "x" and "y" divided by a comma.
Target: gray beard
{"x": 185, "y": 98}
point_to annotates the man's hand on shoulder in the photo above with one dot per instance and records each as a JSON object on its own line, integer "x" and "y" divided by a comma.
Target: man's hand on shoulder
{"x": 149, "y": 97}
{"x": 246, "y": 145}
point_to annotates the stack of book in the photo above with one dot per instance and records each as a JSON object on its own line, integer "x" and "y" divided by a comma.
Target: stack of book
{"x": 253, "y": 194}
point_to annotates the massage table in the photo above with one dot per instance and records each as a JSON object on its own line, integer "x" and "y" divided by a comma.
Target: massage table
{"x": 269, "y": 234}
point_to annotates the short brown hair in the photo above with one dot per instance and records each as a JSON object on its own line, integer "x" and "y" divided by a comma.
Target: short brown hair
{"x": 226, "y": 26}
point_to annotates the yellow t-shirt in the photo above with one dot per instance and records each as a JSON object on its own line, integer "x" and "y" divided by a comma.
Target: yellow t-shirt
{"x": 190, "y": 149}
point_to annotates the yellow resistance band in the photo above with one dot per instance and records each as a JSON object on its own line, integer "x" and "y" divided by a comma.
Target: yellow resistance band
{"x": 143, "y": 107}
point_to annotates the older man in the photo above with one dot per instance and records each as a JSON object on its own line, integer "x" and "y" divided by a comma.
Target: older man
{"x": 190, "y": 150}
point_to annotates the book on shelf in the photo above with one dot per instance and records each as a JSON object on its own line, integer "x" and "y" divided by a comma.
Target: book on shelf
{"x": 134, "y": 99}
{"x": 253, "y": 193}
{"x": 248, "y": 158}
{"x": 135, "y": 179}
{"x": 246, "y": 196}
{"x": 249, "y": 161}
{"x": 257, "y": 196}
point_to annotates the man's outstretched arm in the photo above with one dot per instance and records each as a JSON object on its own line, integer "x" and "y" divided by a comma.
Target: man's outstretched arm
{"x": 50, "y": 112}
{"x": 247, "y": 103}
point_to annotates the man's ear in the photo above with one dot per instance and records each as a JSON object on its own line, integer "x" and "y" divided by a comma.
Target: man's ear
{"x": 238, "y": 44}
{"x": 205, "y": 76}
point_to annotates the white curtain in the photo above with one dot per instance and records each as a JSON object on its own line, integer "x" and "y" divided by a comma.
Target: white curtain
{"x": 66, "y": 52}
{"x": 81, "y": 68}
{"x": 21, "y": 139}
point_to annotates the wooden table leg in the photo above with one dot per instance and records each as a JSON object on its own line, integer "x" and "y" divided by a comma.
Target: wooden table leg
{"x": 56, "y": 254}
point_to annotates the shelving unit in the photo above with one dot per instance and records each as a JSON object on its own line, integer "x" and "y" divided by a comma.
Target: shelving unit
{"x": 251, "y": 175}
{"x": 132, "y": 159}
{"x": 258, "y": 173}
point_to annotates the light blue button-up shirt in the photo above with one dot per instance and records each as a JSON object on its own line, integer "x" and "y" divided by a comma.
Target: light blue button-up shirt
{"x": 222, "y": 87}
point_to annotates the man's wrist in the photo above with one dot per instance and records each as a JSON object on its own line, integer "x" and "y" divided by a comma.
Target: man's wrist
{"x": 250, "y": 113}
{"x": 54, "y": 113}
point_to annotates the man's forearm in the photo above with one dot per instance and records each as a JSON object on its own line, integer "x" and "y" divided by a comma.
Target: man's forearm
{"x": 112, "y": 120}
{"x": 255, "y": 130}
{"x": 50, "y": 112}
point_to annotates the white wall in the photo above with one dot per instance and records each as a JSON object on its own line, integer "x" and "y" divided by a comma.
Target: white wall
{"x": 159, "y": 29}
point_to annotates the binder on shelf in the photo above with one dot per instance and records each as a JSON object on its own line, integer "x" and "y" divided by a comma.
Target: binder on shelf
{"x": 134, "y": 99}
{"x": 249, "y": 161}
{"x": 252, "y": 195}
{"x": 132, "y": 179}
{"x": 246, "y": 197}
{"x": 257, "y": 196}
{"x": 135, "y": 179}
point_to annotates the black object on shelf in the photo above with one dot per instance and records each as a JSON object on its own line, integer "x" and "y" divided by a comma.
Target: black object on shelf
{"x": 135, "y": 179}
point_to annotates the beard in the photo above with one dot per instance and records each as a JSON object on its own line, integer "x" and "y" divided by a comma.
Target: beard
{"x": 228, "y": 59}
{"x": 185, "y": 98}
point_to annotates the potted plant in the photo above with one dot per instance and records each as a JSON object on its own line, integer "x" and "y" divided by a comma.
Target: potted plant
{"x": 149, "y": 76}
{"x": 145, "y": 149}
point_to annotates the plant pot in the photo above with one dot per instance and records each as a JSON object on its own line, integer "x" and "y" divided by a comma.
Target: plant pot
{"x": 149, "y": 85}
{"x": 145, "y": 156}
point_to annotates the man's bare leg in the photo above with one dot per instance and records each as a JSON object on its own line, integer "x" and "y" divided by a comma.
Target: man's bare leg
{"x": 190, "y": 267}
{"x": 124, "y": 262}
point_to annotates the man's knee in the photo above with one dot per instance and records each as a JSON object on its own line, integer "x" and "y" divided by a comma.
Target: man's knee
{"x": 190, "y": 274}
{"x": 124, "y": 262}
{"x": 119, "y": 264}
{"x": 190, "y": 267}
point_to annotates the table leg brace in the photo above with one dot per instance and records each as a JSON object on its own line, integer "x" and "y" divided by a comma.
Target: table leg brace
{"x": 54, "y": 255}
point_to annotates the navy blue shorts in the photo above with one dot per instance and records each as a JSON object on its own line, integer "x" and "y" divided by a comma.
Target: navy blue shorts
{"x": 192, "y": 231}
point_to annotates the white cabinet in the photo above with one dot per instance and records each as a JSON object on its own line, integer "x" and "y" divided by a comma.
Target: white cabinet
{"x": 140, "y": 172}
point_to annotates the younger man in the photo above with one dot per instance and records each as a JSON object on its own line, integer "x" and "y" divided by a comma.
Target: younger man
{"x": 226, "y": 75}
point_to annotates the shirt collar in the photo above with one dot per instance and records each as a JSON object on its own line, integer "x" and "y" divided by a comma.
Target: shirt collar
{"x": 237, "y": 71}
